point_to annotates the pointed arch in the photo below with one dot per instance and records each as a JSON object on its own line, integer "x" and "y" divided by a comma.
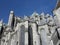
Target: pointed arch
{"x": 30, "y": 36}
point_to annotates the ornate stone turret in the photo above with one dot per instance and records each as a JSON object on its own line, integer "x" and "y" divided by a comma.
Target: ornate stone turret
{"x": 11, "y": 19}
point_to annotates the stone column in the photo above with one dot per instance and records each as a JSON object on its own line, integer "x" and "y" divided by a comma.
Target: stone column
{"x": 26, "y": 38}
{"x": 44, "y": 37}
{"x": 8, "y": 38}
{"x": 26, "y": 33}
{"x": 13, "y": 36}
{"x": 11, "y": 19}
{"x": 36, "y": 40}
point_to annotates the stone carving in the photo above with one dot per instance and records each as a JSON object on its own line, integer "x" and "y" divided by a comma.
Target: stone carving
{"x": 37, "y": 29}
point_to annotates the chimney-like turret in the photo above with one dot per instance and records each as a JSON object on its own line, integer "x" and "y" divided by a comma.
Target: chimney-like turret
{"x": 11, "y": 19}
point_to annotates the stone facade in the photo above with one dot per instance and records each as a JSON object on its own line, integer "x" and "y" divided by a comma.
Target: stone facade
{"x": 37, "y": 29}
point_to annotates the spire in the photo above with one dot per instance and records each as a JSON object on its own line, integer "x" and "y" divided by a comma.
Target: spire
{"x": 11, "y": 12}
{"x": 26, "y": 17}
{"x": 42, "y": 13}
{"x": 35, "y": 13}
{"x": 57, "y": 4}
{"x": 11, "y": 18}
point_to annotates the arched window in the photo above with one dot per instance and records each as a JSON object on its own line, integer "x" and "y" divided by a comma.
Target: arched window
{"x": 43, "y": 36}
{"x": 22, "y": 35}
{"x": 30, "y": 36}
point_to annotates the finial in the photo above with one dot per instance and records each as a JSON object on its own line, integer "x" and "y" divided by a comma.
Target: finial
{"x": 11, "y": 12}
{"x": 42, "y": 13}
{"x": 35, "y": 13}
{"x": 25, "y": 17}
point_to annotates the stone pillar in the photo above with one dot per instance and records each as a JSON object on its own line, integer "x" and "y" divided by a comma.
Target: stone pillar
{"x": 26, "y": 38}
{"x": 22, "y": 35}
{"x": 36, "y": 39}
{"x": 26, "y": 33}
{"x": 8, "y": 38}
{"x": 44, "y": 37}
{"x": 11, "y": 19}
{"x": 18, "y": 33}
{"x": 54, "y": 37}
{"x": 14, "y": 39}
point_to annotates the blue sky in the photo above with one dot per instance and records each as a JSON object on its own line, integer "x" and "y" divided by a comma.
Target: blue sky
{"x": 25, "y": 7}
